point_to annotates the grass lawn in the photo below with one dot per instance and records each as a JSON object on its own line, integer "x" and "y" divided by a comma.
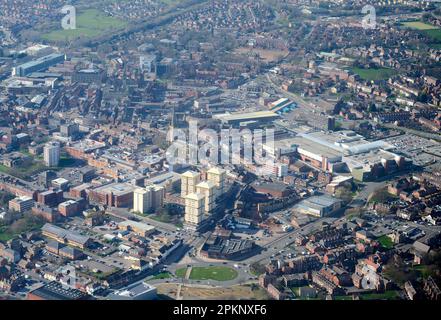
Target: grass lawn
{"x": 386, "y": 242}
{"x": 180, "y": 273}
{"x": 430, "y": 30}
{"x": 418, "y": 25}
{"x": 90, "y": 23}
{"x": 388, "y": 295}
{"x": 209, "y": 273}
{"x": 26, "y": 224}
{"x": 434, "y": 34}
{"x": 167, "y": 218}
{"x": 374, "y": 74}
{"x": 343, "y": 298}
{"x": 24, "y": 172}
{"x": 162, "y": 275}
{"x": 426, "y": 270}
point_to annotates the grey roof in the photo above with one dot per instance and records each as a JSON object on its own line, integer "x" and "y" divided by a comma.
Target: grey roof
{"x": 65, "y": 234}
{"x": 419, "y": 246}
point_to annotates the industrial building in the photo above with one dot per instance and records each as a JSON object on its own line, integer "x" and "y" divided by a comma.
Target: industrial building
{"x": 318, "y": 206}
{"x": 139, "y": 228}
{"x": 65, "y": 236}
{"x": 136, "y": 291}
{"x": 55, "y": 291}
{"x": 343, "y": 151}
{"x": 38, "y": 64}
{"x": 242, "y": 119}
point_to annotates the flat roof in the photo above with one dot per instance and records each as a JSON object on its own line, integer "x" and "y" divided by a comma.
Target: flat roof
{"x": 195, "y": 196}
{"x": 136, "y": 225}
{"x": 116, "y": 188}
{"x": 245, "y": 116}
{"x": 55, "y": 291}
{"x": 41, "y": 60}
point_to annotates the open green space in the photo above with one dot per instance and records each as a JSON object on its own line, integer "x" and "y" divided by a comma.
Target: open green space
{"x": 180, "y": 273}
{"x": 24, "y": 172}
{"x": 162, "y": 275}
{"x": 426, "y": 270}
{"x": 387, "y": 295}
{"x": 418, "y": 25}
{"x": 386, "y": 242}
{"x": 26, "y": 224}
{"x": 374, "y": 74}
{"x": 431, "y": 31}
{"x": 435, "y": 34}
{"x": 209, "y": 273}
{"x": 89, "y": 23}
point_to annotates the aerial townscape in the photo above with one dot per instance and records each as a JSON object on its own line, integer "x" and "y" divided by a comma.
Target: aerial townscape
{"x": 220, "y": 150}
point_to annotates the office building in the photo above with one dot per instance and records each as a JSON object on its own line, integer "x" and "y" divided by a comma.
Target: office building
{"x": 331, "y": 124}
{"x": 69, "y": 130}
{"x": 189, "y": 180}
{"x": 39, "y": 64}
{"x": 194, "y": 210}
{"x": 70, "y": 208}
{"x": 116, "y": 194}
{"x": 21, "y": 204}
{"x": 47, "y": 213}
{"x": 88, "y": 76}
{"x": 51, "y": 154}
{"x": 50, "y": 198}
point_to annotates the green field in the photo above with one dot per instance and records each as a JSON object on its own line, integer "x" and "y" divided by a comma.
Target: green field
{"x": 386, "y": 242}
{"x": 387, "y": 295}
{"x": 24, "y": 172}
{"x": 435, "y": 34}
{"x": 162, "y": 275}
{"x": 418, "y": 25}
{"x": 23, "y": 225}
{"x": 90, "y": 23}
{"x": 430, "y": 30}
{"x": 180, "y": 273}
{"x": 209, "y": 273}
{"x": 374, "y": 74}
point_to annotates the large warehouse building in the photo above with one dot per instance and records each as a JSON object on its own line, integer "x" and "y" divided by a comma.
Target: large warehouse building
{"x": 343, "y": 151}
